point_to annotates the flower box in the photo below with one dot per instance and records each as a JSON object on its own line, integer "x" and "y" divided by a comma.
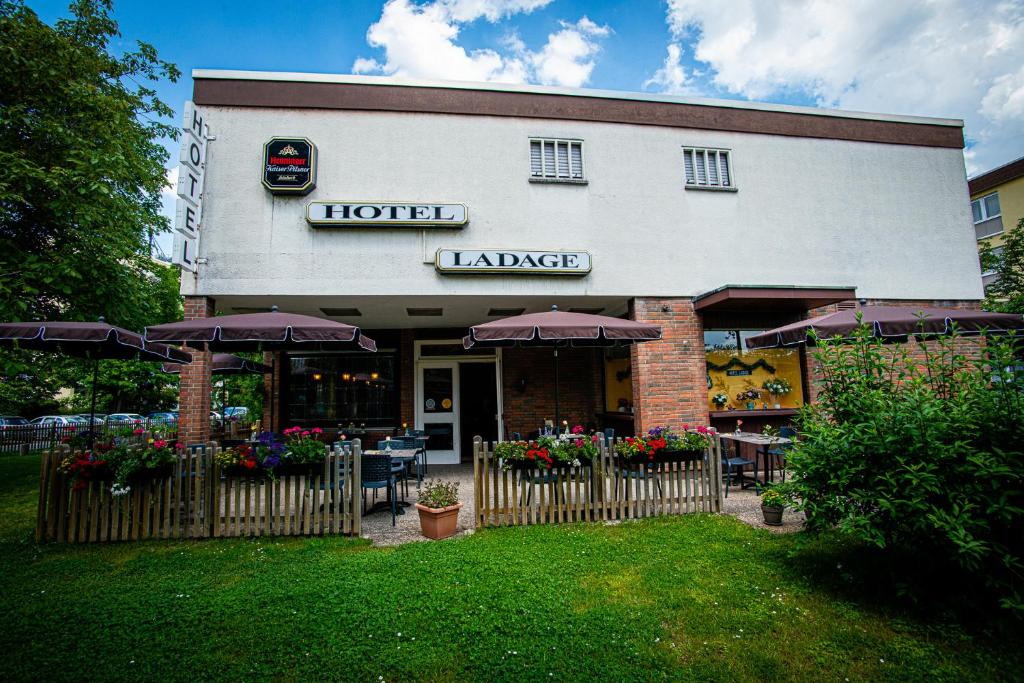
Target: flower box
{"x": 147, "y": 474}
{"x": 244, "y": 472}
{"x": 307, "y": 469}
{"x": 679, "y": 456}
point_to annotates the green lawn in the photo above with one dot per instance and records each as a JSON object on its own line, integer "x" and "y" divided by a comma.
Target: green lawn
{"x": 698, "y": 597}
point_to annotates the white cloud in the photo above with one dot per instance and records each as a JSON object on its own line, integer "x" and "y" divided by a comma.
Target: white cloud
{"x": 421, "y": 41}
{"x": 951, "y": 58}
{"x": 568, "y": 57}
{"x": 171, "y": 175}
{"x": 672, "y": 77}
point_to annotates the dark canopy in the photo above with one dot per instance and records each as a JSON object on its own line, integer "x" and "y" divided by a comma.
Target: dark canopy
{"x": 87, "y": 340}
{"x": 889, "y": 322}
{"x": 273, "y": 331}
{"x": 227, "y": 364}
{"x": 550, "y": 327}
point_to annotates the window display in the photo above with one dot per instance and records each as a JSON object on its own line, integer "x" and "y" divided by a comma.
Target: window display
{"x": 740, "y": 379}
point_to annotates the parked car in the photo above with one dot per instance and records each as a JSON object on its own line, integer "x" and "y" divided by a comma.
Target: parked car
{"x": 236, "y": 413}
{"x": 64, "y": 425}
{"x": 125, "y": 419}
{"x": 166, "y": 418}
{"x": 12, "y": 421}
{"x": 97, "y": 420}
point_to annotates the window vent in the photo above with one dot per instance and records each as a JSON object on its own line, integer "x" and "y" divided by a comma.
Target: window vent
{"x": 556, "y": 160}
{"x": 341, "y": 312}
{"x": 708, "y": 169}
{"x": 424, "y": 312}
{"x": 504, "y": 312}
{"x": 846, "y": 305}
{"x": 588, "y": 311}
{"x": 248, "y": 309}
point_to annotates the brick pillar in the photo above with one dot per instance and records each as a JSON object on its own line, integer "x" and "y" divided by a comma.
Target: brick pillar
{"x": 194, "y": 381}
{"x": 272, "y": 390}
{"x": 669, "y": 375}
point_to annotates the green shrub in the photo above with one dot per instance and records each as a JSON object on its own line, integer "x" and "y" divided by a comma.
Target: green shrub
{"x": 921, "y": 455}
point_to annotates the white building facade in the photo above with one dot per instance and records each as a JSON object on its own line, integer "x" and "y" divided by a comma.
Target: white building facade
{"x": 434, "y": 206}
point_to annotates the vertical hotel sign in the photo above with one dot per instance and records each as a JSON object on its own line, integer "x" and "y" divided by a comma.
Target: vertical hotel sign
{"x": 191, "y": 175}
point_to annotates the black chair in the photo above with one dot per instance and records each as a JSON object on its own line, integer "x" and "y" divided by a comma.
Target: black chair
{"x": 377, "y": 474}
{"x": 412, "y": 443}
{"x": 397, "y": 468}
{"x": 779, "y": 452}
{"x": 338, "y": 447}
{"x": 737, "y": 463}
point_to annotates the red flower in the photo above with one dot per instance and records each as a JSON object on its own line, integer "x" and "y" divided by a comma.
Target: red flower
{"x": 249, "y": 464}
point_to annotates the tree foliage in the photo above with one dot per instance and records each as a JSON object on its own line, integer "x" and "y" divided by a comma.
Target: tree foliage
{"x": 1006, "y": 294}
{"x": 917, "y": 449}
{"x": 81, "y": 172}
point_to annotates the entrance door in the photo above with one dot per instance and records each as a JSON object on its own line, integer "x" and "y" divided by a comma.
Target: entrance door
{"x": 478, "y": 406}
{"x": 438, "y": 395}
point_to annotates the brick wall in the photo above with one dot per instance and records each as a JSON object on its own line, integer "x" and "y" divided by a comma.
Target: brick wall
{"x": 272, "y": 389}
{"x": 669, "y": 375}
{"x": 580, "y": 392}
{"x": 194, "y": 387}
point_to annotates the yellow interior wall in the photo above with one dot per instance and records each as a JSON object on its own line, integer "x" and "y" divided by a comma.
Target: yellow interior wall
{"x": 613, "y": 388}
{"x": 786, "y": 363}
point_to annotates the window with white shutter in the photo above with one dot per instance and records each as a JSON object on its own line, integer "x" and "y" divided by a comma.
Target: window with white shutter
{"x": 708, "y": 169}
{"x": 553, "y": 160}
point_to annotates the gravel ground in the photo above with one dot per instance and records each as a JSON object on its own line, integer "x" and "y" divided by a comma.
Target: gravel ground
{"x": 377, "y": 527}
{"x": 743, "y": 505}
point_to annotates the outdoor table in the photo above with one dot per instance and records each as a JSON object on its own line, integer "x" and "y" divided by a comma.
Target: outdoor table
{"x": 761, "y": 445}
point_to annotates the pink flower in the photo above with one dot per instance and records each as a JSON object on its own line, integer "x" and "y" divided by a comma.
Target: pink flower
{"x": 578, "y": 429}
{"x": 136, "y": 432}
{"x": 341, "y": 438}
{"x": 317, "y": 430}
{"x": 594, "y": 438}
{"x": 305, "y": 433}
{"x": 579, "y": 443}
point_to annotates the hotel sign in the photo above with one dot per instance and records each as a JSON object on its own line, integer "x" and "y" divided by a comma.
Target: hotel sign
{"x": 289, "y": 166}
{"x": 512, "y": 261}
{"x": 386, "y": 214}
{"x": 188, "y": 215}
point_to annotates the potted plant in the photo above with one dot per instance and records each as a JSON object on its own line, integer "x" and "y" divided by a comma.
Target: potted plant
{"x": 720, "y": 400}
{"x": 773, "y": 503}
{"x": 777, "y": 386}
{"x": 750, "y": 395}
{"x": 304, "y": 451}
{"x": 439, "y": 509}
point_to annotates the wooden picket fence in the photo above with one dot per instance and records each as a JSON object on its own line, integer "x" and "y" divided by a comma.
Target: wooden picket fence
{"x": 604, "y": 491}
{"x": 197, "y": 500}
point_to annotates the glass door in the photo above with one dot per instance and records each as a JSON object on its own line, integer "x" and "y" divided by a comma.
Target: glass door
{"x": 438, "y": 410}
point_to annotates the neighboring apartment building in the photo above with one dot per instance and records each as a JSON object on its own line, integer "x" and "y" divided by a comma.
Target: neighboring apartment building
{"x": 417, "y": 209}
{"x": 997, "y": 203}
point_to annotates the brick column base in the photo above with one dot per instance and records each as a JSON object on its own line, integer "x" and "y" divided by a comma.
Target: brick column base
{"x": 194, "y": 381}
{"x": 272, "y": 390}
{"x": 669, "y": 375}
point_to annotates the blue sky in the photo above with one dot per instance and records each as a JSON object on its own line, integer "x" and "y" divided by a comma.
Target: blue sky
{"x": 950, "y": 58}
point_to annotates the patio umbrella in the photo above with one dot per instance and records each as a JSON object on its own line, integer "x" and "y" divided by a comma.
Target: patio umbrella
{"x": 226, "y": 364}
{"x": 556, "y": 328}
{"x": 94, "y": 341}
{"x": 889, "y": 322}
{"x": 273, "y": 331}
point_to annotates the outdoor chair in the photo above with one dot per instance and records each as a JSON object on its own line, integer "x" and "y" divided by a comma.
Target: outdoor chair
{"x": 377, "y": 474}
{"x": 411, "y": 442}
{"x": 339, "y": 448}
{"x": 779, "y": 452}
{"x": 398, "y": 469}
{"x": 609, "y": 435}
{"x": 643, "y": 472}
{"x": 734, "y": 464}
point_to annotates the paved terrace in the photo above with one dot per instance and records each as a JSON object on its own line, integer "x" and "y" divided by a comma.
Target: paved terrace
{"x": 743, "y": 505}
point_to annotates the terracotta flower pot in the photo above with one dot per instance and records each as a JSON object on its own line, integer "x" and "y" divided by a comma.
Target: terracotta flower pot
{"x": 772, "y": 515}
{"x": 438, "y": 523}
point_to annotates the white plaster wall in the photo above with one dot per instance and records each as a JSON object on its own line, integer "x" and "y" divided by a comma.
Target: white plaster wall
{"x": 891, "y": 220}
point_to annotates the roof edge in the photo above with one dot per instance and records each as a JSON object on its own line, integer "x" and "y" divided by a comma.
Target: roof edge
{"x": 299, "y": 77}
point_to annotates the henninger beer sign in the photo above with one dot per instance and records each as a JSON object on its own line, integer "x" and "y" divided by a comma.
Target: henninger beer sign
{"x": 289, "y": 166}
